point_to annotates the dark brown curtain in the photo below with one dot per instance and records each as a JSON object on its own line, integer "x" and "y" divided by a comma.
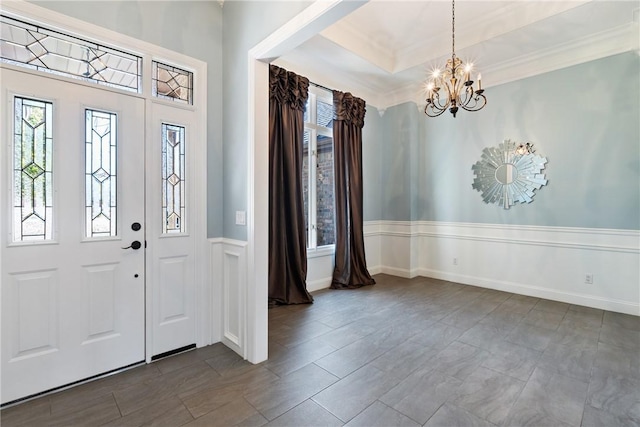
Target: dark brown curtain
{"x": 351, "y": 266}
{"x": 287, "y": 235}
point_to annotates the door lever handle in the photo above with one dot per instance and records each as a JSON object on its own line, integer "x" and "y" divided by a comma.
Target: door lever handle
{"x": 134, "y": 245}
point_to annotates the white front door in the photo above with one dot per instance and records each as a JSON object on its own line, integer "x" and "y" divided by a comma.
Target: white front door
{"x": 73, "y": 190}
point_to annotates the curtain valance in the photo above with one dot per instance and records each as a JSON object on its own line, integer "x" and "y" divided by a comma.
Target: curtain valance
{"x": 288, "y": 88}
{"x": 349, "y": 108}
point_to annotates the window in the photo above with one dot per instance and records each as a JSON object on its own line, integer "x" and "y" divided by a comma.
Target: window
{"x": 317, "y": 169}
{"x": 100, "y": 173}
{"x": 32, "y": 170}
{"x": 173, "y": 179}
{"x": 39, "y": 48}
{"x": 172, "y": 83}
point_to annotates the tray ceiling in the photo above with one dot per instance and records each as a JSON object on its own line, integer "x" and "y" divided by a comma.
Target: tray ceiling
{"x": 384, "y": 49}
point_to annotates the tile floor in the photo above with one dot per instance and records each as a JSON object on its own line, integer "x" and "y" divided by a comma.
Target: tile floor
{"x": 401, "y": 353}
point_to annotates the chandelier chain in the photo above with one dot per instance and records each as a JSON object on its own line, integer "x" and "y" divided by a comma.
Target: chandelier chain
{"x": 453, "y": 28}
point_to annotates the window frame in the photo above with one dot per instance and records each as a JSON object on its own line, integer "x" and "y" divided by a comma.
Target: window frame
{"x": 310, "y": 125}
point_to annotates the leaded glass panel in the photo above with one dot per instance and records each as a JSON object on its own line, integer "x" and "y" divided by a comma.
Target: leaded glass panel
{"x": 32, "y": 170}
{"x": 173, "y": 179}
{"x": 100, "y": 173}
{"x": 172, "y": 83}
{"x": 43, "y": 49}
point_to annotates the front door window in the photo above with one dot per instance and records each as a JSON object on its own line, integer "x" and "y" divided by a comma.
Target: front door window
{"x": 100, "y": 172}
{"x": 33, "y": 170}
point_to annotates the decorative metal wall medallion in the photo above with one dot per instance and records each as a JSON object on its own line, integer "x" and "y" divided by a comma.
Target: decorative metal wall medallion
{"x": 509, "y": 174}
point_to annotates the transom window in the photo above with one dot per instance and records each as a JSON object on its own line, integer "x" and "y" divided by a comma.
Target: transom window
{"x": 317, "y": 169}
{"x": 172, "y": 83}
{"x": 39, "y": 48}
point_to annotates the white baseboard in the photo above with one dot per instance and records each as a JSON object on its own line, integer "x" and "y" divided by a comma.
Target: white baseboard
{"x": 399, "y": 272}
{"x": 376, "y": 269}
{"x": 535, "y": 291}
{"x": 316, "y": 285}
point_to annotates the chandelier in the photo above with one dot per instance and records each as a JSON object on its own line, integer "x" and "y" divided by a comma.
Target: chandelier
{"x": 455, "y": 83}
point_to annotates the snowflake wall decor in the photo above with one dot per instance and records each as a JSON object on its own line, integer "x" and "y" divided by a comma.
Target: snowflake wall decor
{"x": 509, "y": 174}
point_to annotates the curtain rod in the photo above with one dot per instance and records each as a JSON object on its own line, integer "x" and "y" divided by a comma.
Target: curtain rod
{"x": 321, "y": 87}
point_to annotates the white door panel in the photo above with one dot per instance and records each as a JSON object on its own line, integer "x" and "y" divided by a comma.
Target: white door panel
{"x": 171, "y": 247}
{"x": 73, "y": 306}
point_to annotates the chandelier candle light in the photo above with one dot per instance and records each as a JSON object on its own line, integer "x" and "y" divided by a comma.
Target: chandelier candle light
{"x": 456, "y": 83}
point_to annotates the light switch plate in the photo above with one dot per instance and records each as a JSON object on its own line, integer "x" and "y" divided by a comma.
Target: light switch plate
{"x": 241, "y": 218}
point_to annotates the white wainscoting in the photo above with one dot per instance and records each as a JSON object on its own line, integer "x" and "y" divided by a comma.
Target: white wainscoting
{"x": 229, "y": 299}
{"x": 545, "y": 262}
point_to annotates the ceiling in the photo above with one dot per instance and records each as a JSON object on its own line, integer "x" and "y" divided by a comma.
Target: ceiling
{"x": 383, "y": 50}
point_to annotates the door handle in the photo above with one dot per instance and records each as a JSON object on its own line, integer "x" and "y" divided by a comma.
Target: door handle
{"x": 134, "y": 245}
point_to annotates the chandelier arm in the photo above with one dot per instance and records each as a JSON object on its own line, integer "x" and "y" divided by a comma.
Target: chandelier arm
{"x": 435, "y": 106}
{"x": 440, "y": 103}
{"x": 439, "y": 106}
{"x": 436, "y": 113}
{"x": 465, "y": 97}
{"x": 479, "y": 102}
{"x": 435, "y": 109}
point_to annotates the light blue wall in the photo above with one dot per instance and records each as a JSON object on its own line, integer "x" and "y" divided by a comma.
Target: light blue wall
{"x": 246, "y": 23}
{"x": 584, "y": 119}
{"x": 371, "y": 162}
{"x": 399, "y": 165}
{"x": 193, "y": 28}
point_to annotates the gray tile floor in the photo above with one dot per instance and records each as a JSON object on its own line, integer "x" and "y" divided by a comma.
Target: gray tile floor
{"x": 400, "y": 353}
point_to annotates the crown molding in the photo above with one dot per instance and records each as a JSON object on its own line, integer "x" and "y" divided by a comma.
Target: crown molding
{"x": 600, "y": 45}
